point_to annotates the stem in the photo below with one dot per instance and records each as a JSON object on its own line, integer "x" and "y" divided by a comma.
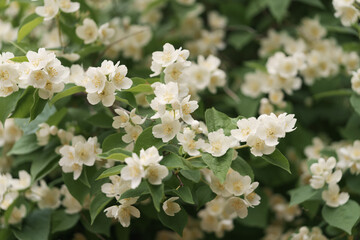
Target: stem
{"x": 333, "y": 93}
{"x": 59, "y": 32}
{"x": 85, "y": 219}
{"x": 178, "y": 177}
{"x": 18, "y": 47}
{"x": 231, "y": 94}
{"x": 115, "y": 42}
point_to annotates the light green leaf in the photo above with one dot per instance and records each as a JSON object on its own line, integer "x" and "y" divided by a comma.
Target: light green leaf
{"x": 240, "y": 39}
{"x": 97, "y": 205}
{"x": 26, "y": 144}
{"x": 216, "y": 120}
{"x": 67, "y": 92}
{"x": 219, "y": 165}
{"x": 19, "y": 59}
{"x": 118, "y": 154}
{"x": 147, "y": 140}
{"x": 343, "y": 217}
{"x": 141, "y": 88}
{"x": 27, "y": 25}
{"x": 301, "y": 194}
{"x": 61, "y": 221}
{"x": 35, "y": 226}
{"x": 157, "y": 194}
{"x": 278, "y": 8}
{"x": 278, "y": 159}
{"x": 176, "y": 222}
{"x": 111, "y": 171}
{"x": 8, "y": 104}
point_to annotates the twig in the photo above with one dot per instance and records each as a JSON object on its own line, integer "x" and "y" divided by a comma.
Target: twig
{"x": 115, "y": 42}
{"x": 178, "y": 177}
{"x": 231, "y": 94}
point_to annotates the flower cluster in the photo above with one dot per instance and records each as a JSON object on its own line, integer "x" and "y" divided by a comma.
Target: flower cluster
{"x": 101, "y": 82}
{"x": 124, "y": 211}
{"x": 283, "y": 210}
{"x": 349, "y": 157}
{"x": 305, "y": 233}
{"x": 219, "y": 213}
{"x": 262, "y": 134}
{"x": 311, "y": 56}
{"x": 51, "y": 8}
{"x": 81, "y": 152}
{"x": 322, "y": 173}
{"x": 131, "y": 123}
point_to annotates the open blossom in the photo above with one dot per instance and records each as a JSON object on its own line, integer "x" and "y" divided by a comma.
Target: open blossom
{"x": 133, "y": 171}
{"x": 190, "y": 145}
{"x": 168, "y": 128}
{"x": 45, "y": 196}
{"x": 132, "y": 133}
{"x": 69, "y": 202}
{"x": 124, "y": 211}
{"x": 17, "y": 214}
{"x": 49, "y": 10}
{"x": 345, "y": 10}
{"x": 88, "y": 31}
{"x": 119, "y": 79}
{"x": 333, "y": 197}
{"x": 117, "y": 187}
{"x": 168, "y": 56}
{"x": 219, "y": 143}
{"x": 246, "y": 127}
{"x": 106, "y": 96}
{"x": 170, "y": 207}
{"x": 237, "y": 184}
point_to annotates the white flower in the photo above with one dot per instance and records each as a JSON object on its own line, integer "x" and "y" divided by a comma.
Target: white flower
{"x": 8, "y": 75}
{"x": 168, "y": 56}
{"x": 122, "y": 120}
{"x": 200, "y": 76}
{"x": 219, "y": 143}
{"x": 88, "y": 31}
{"x": 333, "y": 197}
{"x": 175, "y": 73}
{"x": 119, "y": 79}
{"x": 168, "y": 128}
{"x": 237, "y": 184}
{"x": 136, "y": 119}
{"x": 236, "y": 205}
{"x": 155, "y": 173}
{"x": 49, "y": 10}
{"x": 251, "y": 198}
{"x": 69, "y": 202}
{"x": 258, "y": 146}
{"x": 246, "y": 127}
{"x": 38, "y": 60}
{"x": 134, "y": 171}
{"x": 150, "y": 156}
{"x": 217, "y": 187}
{"x": 107, "y": 67}
{"x": 44, "y": 196}
{"x": 187, "y": 107}
{"x": 217, "y": 79}
{"x": 347, "y": 13}
{"x": 23, "y": 182}
{"x": 106, "y": 33}
{"x": 190, "y": 145}
{"x": 270, "y": 129}
{"x": 68, "y": 6}
{"x": 123, "y": 212}
{"x": 17, "y": 214}
{"x": 84, "y": 153}
{"x": 106, "y": 96}
{"x": 38, "y": 78}
{"x": 170, "y": 207}
{"x": 166, "y": 93}
{"x": 96, "y": 80}
{"x": 117, "y": 187}
{"x": 132, "y": 133}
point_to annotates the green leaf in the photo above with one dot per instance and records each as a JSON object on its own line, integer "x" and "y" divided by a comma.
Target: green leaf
{"x": 100, "y": 119}
{"x": 216, "y": 120}
{"x": 142, "y": 189}
{"x": 311, "y": 207}
{"x": 278, "y": 8}
{"x": 113, "y": 141}
{"x": 67, "y": 92}
{"x": 48, "y": 161}
{"x": 314, "y": 3}
{"x": 118, "y": 154}
{"x": 176, "y": 222}
{"x": 77, "y": 189}
{"x": 185, "y": 194}
{"x": 240, "y": 40}
{"x": 24, "y": 104}
{"x": 157, "y": 194}
{"x": 26, "y": 144}
{"x": 8, "y": 104}
{"x": 172, "y": 161}
{"x": 219, "y": 165}
{"x": 257, "y": 216}
{"x": 61, "y": 221}
{"x": 203, "y": 195}
{"x": 343, "y": 217}
{"x": 192, "y": 175}
{"x": 146, "y": 140}
{"x": 97, "y": 205}
{"x": 19, "y": 59}
{"x": 56, "y": 118}
{"x": 27, "y": 25}
{"x": 355, "y": 102}
{"x": 111, "y": 171}
{"x": 101, "y": 225}
{"x": 301, "y": 194}
{"x": 242, "y": 167}
{"x": 35, "y": 226}
{"x": 38, "y": 105}
{"x": 278, "y": 159}
{"x": 141, "y": 88}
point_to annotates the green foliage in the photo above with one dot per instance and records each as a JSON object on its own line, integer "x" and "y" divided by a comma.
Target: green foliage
{"x": 301, "y": 194}
{"x": 219, "y": 165}
{"x": 27, "y": 25}
{"x": 278, "y": 159}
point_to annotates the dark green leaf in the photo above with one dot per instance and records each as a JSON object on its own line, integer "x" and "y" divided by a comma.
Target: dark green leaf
{"x": 36, "y": 226}
{"x": 176, "y": 223}
{"x": 26, "y": 144}
{"x": 146, "y": 140}
{"x": 185, "y": 194}
{"x": 240, "y": 40}
{"x": 278, "y": 159}
{"x": 216, "y": 120}
{"x": 24, "y": 104}
{"x": 111, "y": 171}
{"x": 278, "y": 8}
{"x": 61, "y": 221}
{"x": 8, "y": 104}
{"x": 140, "y": 190}
{"x": 97, "y": 205}
{"x": 242, "y": 167}
{"x": 157, "y": 194}
{"x": 301, "y": 194}
{"x": 193, "y": 175}
{"x": 56, "y": 118}
{"x": 77, "y": 189}
{"x": 113, "y": 141}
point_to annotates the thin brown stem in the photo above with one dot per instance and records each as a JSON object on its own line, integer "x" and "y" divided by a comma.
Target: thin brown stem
{"x": 231, "y": 94}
